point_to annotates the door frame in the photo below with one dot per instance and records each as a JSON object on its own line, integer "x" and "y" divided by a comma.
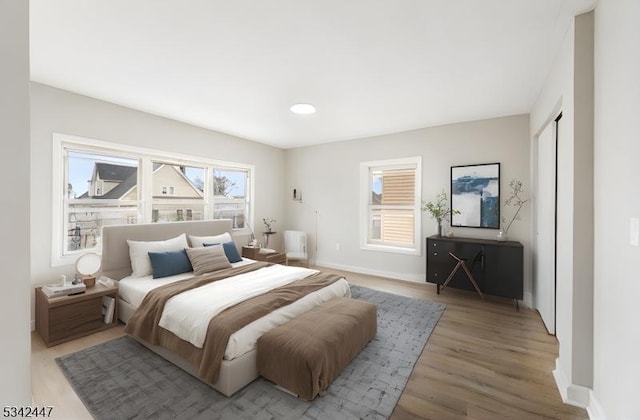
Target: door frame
{"x": 553, "y": 119}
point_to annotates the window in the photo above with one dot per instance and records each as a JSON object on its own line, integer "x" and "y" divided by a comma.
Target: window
{"x": 176, "y": 188}
{"x": 390, "y": 205}
{"x": 230, "y": 196}
{"x": 98, "y": 194}
{"x": 98, "y": 183}
{"x": 168, "y": 190}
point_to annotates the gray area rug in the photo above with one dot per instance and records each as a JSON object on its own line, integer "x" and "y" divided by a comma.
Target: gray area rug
{"x": 121, "y": 379}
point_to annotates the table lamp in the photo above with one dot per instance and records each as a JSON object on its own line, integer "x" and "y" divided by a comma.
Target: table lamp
{"x": 87, "y": 266}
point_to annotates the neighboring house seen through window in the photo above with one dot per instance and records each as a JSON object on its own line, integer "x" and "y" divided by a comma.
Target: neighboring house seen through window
{"x": 390, "y": 205}
{"x": 107, "y": 184}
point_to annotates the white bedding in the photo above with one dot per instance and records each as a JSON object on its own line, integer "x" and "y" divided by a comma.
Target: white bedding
{"x": 133, "y": 289}
{"x": 188, "y": 314}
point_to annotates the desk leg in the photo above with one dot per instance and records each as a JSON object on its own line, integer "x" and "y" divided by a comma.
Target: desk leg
{"x": 437, "y": 288}
{"x": 517, "y": 304}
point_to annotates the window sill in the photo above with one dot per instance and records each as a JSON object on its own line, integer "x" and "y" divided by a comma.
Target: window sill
{"x": 391, "y": 249}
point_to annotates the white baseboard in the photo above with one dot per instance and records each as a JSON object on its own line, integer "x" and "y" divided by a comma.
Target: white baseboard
{"x": 595, "y": 409}
{"x": 572, "y": 394}
{"x": 528, "y": 300}
{"x": 415, "y": 278}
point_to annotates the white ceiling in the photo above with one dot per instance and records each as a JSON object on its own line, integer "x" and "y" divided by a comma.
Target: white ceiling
{"x": 370, "y": 67}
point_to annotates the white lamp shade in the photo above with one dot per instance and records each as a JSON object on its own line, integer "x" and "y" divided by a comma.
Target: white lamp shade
{"x": 88, "y": 264}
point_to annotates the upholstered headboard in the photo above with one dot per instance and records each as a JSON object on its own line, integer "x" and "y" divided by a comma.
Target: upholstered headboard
{"x": 116, "y": 263}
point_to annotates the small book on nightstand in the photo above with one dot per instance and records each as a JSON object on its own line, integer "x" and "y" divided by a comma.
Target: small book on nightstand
{"x": 55, "y": 290}
{"x": 108, "y": 308}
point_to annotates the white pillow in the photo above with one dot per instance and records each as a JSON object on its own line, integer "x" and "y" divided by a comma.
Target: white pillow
{"x": 139, "y": 252}
{"x": 199, "y": 241}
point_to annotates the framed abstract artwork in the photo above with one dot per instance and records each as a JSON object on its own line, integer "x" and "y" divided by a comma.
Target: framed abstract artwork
{"x": 475, "y": 193}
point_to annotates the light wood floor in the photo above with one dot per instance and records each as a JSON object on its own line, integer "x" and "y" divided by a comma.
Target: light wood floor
{"x": 484, "y": 360}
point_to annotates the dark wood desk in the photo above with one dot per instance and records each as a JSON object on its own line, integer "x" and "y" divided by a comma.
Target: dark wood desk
{"x": 497, "y": 266}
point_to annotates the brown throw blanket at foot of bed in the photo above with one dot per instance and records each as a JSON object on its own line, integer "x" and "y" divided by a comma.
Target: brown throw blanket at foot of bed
{"x": 307, "y": 353}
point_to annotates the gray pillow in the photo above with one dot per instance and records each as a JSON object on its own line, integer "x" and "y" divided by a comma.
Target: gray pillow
{"x": 208, "y": 259}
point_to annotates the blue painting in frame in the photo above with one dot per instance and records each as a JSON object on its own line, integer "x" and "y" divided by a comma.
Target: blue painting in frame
{"x": 475, "y": 193}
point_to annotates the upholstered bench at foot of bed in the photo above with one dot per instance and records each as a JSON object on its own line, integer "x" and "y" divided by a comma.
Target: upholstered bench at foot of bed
{"x": 307, "y": 353}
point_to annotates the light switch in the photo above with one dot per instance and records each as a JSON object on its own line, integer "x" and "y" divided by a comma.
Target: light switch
{"x": 634, "y": 232}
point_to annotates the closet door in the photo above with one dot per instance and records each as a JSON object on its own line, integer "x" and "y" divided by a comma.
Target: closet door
{"x": 545, "y": 222}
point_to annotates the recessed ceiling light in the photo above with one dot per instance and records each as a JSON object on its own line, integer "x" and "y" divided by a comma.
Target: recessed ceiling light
{"x": 303, "y": 109}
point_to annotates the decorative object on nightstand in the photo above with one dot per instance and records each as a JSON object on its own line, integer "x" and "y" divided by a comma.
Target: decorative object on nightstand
{"x": 88, "y": 265}
{"x": 252, "y": 239}
{"x": 439, "y": 209}
{"x": 268, "y": 222}
{"x": 515, "y": 200}
{"x": 268, "y": 225}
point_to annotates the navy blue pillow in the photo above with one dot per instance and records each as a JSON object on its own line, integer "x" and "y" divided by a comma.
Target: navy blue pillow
{"x": 230, "y": 251}
{"x": 168, "y": 263}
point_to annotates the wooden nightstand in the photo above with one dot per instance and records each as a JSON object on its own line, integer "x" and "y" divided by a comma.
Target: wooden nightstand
{"x": 65, "y": 318}
{"x": 254, "y": 254}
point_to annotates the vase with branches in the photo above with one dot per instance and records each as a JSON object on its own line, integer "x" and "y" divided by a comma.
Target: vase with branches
{"x": 515, "y": 200}
{"x": 439, "y": 209}
{"x": 268, "y": 222}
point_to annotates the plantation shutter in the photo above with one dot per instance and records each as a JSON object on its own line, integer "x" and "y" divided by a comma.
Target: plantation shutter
{"x": 398, "y": 198}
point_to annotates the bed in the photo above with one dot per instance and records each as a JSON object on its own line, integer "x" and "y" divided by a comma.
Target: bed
{"x": 238, "y": 367}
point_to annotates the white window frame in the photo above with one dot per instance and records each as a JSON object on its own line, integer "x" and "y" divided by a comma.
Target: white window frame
{"x": 146, "y": 157}
{"x": 365, "y": 196}
{"x": 216, "y": 199}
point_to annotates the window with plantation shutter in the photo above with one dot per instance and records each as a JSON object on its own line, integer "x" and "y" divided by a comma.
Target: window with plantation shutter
{"x": 390, "y": 205}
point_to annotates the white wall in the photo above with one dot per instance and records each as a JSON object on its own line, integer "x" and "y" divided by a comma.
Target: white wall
{"x": 617, "y": 199}
{"x": 583, "y": 200}
{"x": 15, "y": 380}
{"x": 569, "y": 88}
{"x": 328, "y": 177}
{"x": 55, "y": 110}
